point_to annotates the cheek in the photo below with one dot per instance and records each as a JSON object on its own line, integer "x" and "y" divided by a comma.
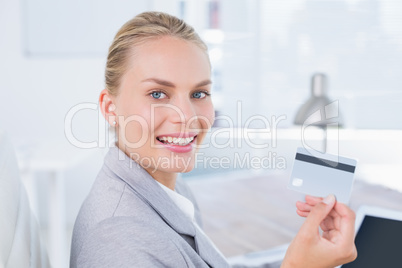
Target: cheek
{"x": 134, "y": 131}
{"x": 206, "y": 113}
{"x": 135, "y": 123}
{"x": 206, "y": 117}
{"x": 160, "y": 115}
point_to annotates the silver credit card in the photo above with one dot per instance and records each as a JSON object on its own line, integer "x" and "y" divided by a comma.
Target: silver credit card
{"x": 323, "y": 174}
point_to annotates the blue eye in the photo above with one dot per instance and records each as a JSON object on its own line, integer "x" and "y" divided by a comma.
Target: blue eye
{"x": 158, "y": 95}
{"x": 199, "y": 95}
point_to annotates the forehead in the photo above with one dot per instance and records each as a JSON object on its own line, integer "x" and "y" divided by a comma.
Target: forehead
{"x": 169, "y": 58}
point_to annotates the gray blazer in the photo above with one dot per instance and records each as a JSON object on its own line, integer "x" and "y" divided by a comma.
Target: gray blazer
{"x": 129, "y": 221}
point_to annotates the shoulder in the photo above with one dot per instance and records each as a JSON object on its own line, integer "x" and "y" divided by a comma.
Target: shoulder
{"x": 116, "y": 228}
{"x": 108, "y": 198}
{"x": 129, "y": 242}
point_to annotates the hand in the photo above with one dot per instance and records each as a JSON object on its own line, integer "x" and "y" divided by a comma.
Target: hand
{"x": 335, "y": 246}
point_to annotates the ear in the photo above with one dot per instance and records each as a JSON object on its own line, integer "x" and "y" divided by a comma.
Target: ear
{"x": 107, "y": 107}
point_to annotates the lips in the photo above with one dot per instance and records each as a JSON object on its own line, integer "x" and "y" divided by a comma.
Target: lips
{"x": 178, "y": 142}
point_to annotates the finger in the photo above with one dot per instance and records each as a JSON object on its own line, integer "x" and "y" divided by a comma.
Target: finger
{"x": 313, "y": 200}
{"x": 346, "y": 218}
{"x": 333, "y": 213}
{"x": 304, "y": 209}
{"x": 328, "y": 224}
{"x": 302, "y": 213}
{"x": 303, "y": 206}
{"x": 332, "y": 236}
{"x": 332, "y": 221}
{"x": 318, "y": 214}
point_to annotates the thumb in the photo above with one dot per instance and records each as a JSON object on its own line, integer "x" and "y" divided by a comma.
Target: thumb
{"x": 319, "y": 212}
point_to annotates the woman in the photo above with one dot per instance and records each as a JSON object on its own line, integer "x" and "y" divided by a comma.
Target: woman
{"x": 138, "y": 214}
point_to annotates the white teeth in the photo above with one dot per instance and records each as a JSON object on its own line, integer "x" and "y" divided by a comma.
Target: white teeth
{"x": 179, "y": 141}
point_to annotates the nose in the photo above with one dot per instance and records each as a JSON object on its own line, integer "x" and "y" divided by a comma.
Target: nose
{"x": 183, "y": 111}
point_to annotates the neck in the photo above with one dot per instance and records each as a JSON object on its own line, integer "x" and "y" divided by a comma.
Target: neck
{"x": 167, "y": 179}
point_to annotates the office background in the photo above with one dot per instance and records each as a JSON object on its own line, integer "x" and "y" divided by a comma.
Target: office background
{"x": 263, "y": 54}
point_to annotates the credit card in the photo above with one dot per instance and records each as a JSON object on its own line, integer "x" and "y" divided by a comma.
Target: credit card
{"x": 319, "y": 174}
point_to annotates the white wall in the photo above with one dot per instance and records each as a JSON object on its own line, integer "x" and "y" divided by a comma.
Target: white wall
{"x": 37, "y": 92}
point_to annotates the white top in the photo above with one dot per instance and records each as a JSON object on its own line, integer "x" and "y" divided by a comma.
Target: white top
{"x": 187, "y": 207}
{"x": 183, "y": 203}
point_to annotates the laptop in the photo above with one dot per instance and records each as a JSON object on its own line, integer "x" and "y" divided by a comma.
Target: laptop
{"x": 378, "y": 238}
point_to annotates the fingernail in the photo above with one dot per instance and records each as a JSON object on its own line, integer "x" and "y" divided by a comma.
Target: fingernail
{"x": 329, "y": 199}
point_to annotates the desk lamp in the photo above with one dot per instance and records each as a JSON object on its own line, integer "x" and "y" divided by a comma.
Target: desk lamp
{"x": 319, "y": 110}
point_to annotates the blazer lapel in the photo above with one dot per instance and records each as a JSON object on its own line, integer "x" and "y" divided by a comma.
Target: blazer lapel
{"x": 150, "y": 192}
{"x": 207, "y": 250}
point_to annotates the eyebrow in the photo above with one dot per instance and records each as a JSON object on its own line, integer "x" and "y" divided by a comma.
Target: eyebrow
{"x": 170, "y": 84}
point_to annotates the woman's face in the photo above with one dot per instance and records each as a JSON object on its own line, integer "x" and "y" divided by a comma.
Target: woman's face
{"x": 163, "y": 106}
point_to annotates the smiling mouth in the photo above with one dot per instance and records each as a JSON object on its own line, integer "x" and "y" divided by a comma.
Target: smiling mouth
{"x": 176, "y": 141}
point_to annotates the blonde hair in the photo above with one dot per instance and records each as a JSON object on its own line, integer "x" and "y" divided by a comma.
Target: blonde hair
{"x": 145, "y": 26}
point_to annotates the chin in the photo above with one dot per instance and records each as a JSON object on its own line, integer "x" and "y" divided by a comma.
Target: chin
{"x": 185, "y": 169}
{"x": 176, "y": 163}
{"x": 174, "y": 166}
